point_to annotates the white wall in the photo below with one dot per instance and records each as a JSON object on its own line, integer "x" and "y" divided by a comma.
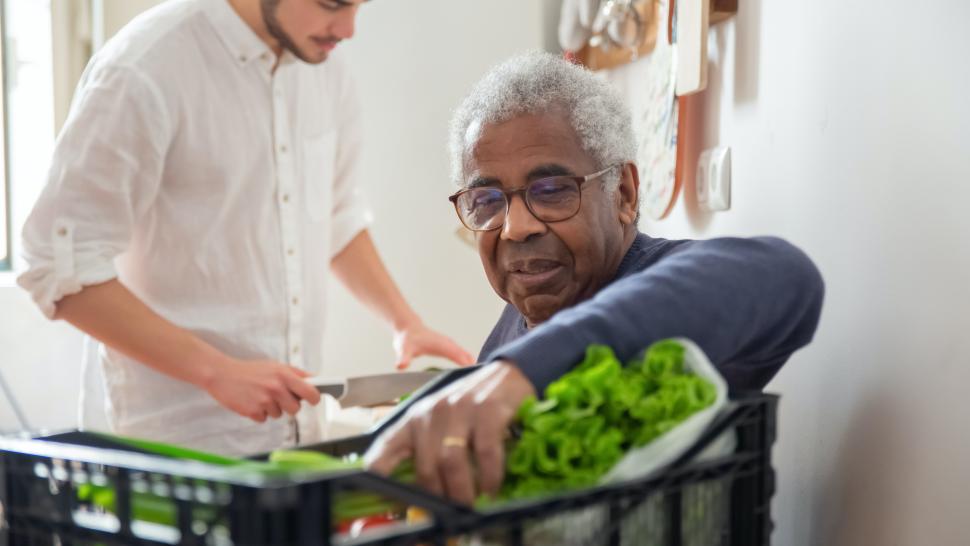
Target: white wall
{"x": 41, "y": 363}
{"x": 850, "y": 132}
{"x": 117, "y": 13}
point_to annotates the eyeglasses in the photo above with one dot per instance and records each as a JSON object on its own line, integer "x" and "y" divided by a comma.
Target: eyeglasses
{"x": 551, "y": 199}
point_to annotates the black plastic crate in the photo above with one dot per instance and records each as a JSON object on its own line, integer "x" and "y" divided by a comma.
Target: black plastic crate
{"x": 724, "y": 500}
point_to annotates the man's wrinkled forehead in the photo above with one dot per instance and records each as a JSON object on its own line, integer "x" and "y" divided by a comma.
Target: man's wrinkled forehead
{"x": 515, "y": 151}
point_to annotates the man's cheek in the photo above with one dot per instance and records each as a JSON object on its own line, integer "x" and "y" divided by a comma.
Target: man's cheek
{"x": 497, "y": 280}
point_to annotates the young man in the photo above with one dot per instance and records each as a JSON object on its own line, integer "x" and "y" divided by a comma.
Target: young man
{"x": 203, "y": 188}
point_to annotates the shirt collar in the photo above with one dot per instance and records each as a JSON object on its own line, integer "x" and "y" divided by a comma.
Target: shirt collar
{"x": 632, "y": 253}
{"x": 241, "y": 41}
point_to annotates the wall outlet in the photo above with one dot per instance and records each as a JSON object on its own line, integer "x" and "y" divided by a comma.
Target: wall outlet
{"x": 713, "y": 180}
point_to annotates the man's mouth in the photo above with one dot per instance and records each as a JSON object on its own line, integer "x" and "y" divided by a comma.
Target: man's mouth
{"x": 327, "y": 44}
{"x": 535, "y": 272}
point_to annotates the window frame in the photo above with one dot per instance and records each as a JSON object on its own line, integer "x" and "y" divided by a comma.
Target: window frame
{"x": 6, "y": 262}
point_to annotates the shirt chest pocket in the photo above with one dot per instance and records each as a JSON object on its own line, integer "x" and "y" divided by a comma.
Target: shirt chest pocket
{"x": 319, "y": 168}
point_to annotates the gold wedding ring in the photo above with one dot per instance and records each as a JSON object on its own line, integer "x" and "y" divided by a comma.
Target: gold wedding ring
{"x": 454, "y": 441}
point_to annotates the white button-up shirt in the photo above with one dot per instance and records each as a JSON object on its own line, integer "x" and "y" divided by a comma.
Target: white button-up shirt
{"x": 217, "y": 189}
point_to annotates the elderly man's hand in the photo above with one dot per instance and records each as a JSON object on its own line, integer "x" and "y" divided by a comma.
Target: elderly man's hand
{"x": 457, "y": 436}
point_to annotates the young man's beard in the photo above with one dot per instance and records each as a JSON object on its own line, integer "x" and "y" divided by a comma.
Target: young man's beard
{"x": 268, "y": 8}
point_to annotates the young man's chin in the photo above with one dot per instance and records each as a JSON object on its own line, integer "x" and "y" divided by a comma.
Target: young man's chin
{"x": 321, "y": 49}
{"x": 313, "y": 56}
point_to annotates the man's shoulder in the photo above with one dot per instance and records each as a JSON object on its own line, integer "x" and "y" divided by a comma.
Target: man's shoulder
{"x": 646, "y": 251}
{"x": 510, "y": 326}
{"x": 165, "y": 31}
{"x": 659, "y": 247}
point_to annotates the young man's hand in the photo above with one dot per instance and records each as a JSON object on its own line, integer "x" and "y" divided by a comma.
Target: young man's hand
{"x": 419, "y": 340}
{"x": 259, "y": 389}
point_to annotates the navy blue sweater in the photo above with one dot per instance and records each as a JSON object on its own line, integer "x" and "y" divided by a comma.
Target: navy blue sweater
{"x": 748, "y": 303}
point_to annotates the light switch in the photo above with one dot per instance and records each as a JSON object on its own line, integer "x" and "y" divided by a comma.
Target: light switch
{"x": 713, "y": 180}
{"x": 700, "y": 183}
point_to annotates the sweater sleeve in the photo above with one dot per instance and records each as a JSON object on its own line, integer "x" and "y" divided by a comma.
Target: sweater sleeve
{"x": 748, "y": 303}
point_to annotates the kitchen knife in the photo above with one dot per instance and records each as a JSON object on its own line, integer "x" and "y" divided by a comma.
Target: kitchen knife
{"x": 371, "y": 390}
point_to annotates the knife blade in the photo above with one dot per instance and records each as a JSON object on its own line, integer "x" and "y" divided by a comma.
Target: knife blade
{"x": 371, "y": 390}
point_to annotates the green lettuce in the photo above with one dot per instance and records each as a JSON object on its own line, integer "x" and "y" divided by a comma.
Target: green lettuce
{"x": 592, "y": 416}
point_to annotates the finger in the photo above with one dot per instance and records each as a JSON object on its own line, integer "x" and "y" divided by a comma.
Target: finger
{"x": 404, "y": 357}
{"x": 287, "y": 402}
{"x": 488, "y": 441}
{"x": 272, "y": 409}
{"x": 453, "y": 352}
{"x": 389, "y": 450}
{"x": 300, "y": 372}
{"x": 303, "y": 390}
{"x": 427, "y": 428}
{"x": 492, "y": 421}
{"x": 454, "y": 464}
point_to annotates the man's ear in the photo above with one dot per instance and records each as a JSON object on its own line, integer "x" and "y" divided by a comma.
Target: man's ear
{"x": 628, "y": 194}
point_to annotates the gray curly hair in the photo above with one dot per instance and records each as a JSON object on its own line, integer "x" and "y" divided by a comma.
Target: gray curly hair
{"x": 539, "y": 82}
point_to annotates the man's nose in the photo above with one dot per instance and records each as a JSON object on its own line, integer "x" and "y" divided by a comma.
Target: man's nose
{"x": 520, "y": 223}
{"x": 343, "y": 25}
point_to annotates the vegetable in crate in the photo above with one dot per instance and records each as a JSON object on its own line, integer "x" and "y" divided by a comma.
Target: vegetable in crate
{"x": 594, "y": 414}
{"x": 350, "y": 506}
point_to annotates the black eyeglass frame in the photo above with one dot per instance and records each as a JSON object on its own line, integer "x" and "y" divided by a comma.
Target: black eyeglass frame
{"x": 580, "y": 180}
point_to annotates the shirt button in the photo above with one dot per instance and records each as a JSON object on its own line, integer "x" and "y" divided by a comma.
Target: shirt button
{"x": 286, "y": 198}
{"x": 62, "y": 232}
{"x": 283, "y": 149}
{"x": 290, "y": 252}
{"x": 296, "y": 349}
{"x": 242, "y": 58}
{"x": 296, "y": 301}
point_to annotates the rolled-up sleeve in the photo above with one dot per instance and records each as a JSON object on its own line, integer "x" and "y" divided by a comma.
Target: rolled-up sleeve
{"x": 105, "y": 173}
{"x": 350, "y": 214}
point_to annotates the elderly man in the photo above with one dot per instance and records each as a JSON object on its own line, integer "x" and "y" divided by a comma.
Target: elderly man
{"x": 543, "y": 152}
